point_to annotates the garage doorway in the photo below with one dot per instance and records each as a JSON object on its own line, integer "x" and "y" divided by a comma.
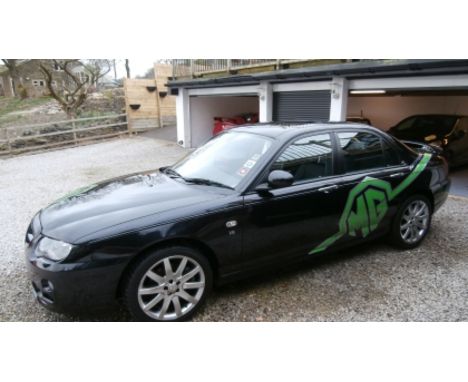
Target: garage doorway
{"x": 388, "y": 109}
{"x": 204, "y": 109}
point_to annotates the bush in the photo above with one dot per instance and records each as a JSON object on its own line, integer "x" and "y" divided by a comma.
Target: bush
{"x": 23, "y": 93}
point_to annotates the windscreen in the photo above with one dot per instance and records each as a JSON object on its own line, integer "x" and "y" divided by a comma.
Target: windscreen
{"x": 225, "y": 159}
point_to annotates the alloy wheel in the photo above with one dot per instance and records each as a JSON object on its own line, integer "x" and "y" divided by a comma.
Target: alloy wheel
{"x": 414, "y": 221}
{"x": 171, "y": 288}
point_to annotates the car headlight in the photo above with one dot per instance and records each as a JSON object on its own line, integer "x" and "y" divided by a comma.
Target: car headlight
{"x": 440, "y": 142}
{"x": 34, "y": 229}
{"x": 53, "y": 249}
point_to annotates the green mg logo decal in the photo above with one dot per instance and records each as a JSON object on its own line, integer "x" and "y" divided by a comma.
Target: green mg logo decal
{"x": 367, "y": 205}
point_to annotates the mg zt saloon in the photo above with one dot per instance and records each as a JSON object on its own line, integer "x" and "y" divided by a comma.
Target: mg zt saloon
{"x": 251, "y": 198}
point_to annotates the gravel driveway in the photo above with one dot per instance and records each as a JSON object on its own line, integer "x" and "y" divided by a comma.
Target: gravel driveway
{"x": 370, "y": 283}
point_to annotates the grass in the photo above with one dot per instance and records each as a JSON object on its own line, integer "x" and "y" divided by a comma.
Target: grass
{"x": 8, "y": 105}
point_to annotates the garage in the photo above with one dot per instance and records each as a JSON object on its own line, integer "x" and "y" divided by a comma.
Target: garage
{"x": 197, "y": 108}
{"x": 385, "y": 108}
{"x": 298, "y": 106}
{"x": 288, "y": 106}
{"x": 383, "y": 91}
{"x": 206, "y": 108}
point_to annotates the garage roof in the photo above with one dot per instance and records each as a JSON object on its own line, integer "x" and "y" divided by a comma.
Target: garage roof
{"x": 366, "y": 69}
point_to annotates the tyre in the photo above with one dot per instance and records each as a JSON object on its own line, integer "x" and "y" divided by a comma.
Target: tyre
{"x": 170, "y": 284}
{"x": 412, "y": 222}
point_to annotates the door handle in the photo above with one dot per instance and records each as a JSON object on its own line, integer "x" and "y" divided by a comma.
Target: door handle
{"x": 328, "y": 188}
{"x": 397, "y": 175}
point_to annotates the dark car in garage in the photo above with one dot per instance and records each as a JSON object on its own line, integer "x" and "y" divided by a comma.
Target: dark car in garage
{"x": 448, "y": 132}
{"x": 252, "y": 198}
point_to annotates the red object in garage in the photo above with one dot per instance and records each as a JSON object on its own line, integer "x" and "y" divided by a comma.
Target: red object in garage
{"x": 221, "y": 124}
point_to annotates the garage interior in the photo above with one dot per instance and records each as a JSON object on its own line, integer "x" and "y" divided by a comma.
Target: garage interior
{"x": 391, "y": 106}
{"x": 205, "y": 108}
{"x": 387, "y": 109}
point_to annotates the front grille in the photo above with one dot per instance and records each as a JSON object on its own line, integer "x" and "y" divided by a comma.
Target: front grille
{"x": 43, "y": 290}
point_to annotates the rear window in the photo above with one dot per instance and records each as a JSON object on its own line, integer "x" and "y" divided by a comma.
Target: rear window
{"x": 420, "y": 126}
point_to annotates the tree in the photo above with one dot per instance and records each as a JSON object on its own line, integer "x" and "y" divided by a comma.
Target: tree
{"x": 114, "y": 66}
{"x": 79, "y": 77}
{"x": 18, "y": 88}
{"x": 127, "y": 67}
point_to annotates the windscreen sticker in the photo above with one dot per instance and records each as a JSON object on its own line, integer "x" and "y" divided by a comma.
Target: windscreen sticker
{"x": 243, "y": 171}
{"x": 250, "y": 163}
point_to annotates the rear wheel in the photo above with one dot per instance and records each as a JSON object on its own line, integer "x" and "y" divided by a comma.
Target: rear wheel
{"x": 412, "y": 222}
{"x": 168, "y": 285}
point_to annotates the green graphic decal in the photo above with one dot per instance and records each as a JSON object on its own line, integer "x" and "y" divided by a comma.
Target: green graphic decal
{"x": 367, "y": 205}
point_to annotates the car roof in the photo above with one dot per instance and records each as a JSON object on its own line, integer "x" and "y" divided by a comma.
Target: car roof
{"x": 289, "y": 130}
{"x": 437, "y": 115}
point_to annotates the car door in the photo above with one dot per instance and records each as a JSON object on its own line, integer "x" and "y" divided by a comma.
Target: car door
{"x": 371, "y": 168}
{"x": 291, "y": 220}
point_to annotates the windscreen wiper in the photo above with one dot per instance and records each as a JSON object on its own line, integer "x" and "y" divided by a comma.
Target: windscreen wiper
{"x": 171, "y": 172}
{"x": 202, "y": 181}
{"x": 207, "y": 182}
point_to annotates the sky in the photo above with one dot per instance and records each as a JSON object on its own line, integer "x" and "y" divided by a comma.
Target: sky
{"x": 138, "y": 66}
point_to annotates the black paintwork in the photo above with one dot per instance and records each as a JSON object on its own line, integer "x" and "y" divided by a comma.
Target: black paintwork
{"x": 115, "y": 222}
{"x": 451, "y": 140}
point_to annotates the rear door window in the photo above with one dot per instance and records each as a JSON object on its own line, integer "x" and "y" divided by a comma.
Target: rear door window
{"x": 365, "y": 151}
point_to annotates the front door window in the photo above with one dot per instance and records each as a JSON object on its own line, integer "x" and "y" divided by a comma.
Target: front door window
{"x": 307, "y": 158}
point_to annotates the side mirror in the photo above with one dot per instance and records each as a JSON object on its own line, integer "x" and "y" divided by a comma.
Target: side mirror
{"x": 276, "y": 179}
{"x": 280, "y": 179}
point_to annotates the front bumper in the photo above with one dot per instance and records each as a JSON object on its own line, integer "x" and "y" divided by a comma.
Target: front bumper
{"x": 74, "y": 287}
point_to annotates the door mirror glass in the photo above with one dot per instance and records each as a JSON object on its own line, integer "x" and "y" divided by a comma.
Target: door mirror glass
{"x": 280, "y": 179}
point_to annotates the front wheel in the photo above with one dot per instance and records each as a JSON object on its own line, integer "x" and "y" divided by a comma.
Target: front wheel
{"x": 412, "y": 222}
{"x": 168, "y": 285}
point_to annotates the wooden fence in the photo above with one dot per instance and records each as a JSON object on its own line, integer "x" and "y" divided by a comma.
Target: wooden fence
{"x": 72, "y": 132}
{"x": 149, "y": 102}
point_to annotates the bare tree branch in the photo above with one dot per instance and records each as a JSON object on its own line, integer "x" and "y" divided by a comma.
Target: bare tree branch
{"x": 48, "y": 80}
{"x": 76, "y": 86}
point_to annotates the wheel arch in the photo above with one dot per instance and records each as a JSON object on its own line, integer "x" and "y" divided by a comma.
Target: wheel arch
{"x": 184, "y": 242}
{"x": 424, "y": 192}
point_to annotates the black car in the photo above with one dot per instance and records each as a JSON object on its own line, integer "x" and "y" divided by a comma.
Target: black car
{"x": 448, "y": 132}
{"x": 249, "y": 199}
{"x": 359, "y": 119}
